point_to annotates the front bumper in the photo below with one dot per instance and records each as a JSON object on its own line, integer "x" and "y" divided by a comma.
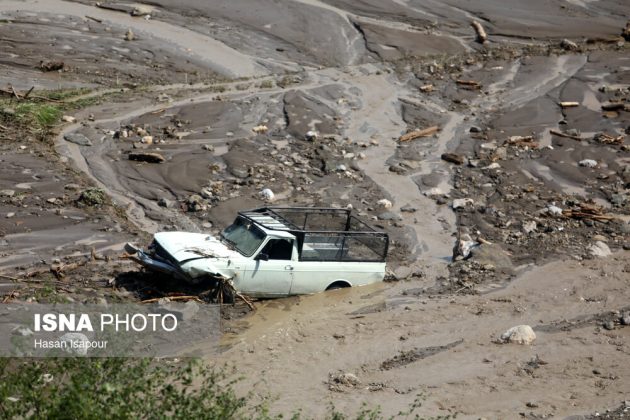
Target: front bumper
{"x": 155, "y": 264}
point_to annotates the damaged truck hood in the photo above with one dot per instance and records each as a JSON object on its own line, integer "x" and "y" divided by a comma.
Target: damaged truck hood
{"x": 185, "y": 247}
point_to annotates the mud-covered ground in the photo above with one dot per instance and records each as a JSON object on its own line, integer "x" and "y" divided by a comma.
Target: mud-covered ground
{"x": 516, "y": 211}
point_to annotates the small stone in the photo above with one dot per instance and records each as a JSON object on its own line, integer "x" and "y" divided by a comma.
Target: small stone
{"x": 599, "y": 249}
{"x": 147, "y": 140}
{"x": 77, "y": 138}
{"x": 266, "y": 195}
{"x": 521, "y": 334}
{"x": 453, "y": 158}
{"x": 389, "y": 215}
{"x": 311, "y": 135}
{"x": 462, "y": 202}
{"x": 529, "y": 227}
{"x": 384, "y": 203}
{"x": 588, "y": 163}
{"x": 68, "y": 119}
{"x": 609, "y": 325}
{"x": 10, "y": 215}
{"x": 408, "y": 208}
{"x": 163, "y": 202}
{"x": 208, "y": 147}
{"x": 129, "y": 35}
{"x": 625, "y": 318}
{"x": 568, "y": 45}
{"x": 72, "y": 187}
{"x": 475, "y": 129}
{"x": 260, "y": 129}
{"x": 51, "y": 200}
{"x": 7, "y": 193}
{"x": 554, "y": 210}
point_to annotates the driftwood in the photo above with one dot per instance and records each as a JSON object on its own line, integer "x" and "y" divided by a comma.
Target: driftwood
{"x": 608, "y": 139}
{"x": 419, "y": 133}
{"x": 568, "y": 136}
{"x": 471, "y": 84}
{"x": 482, "y": 36}
{"x": 94, "y": 19}
{"x": 522, "y": 141}
{"x": 587, "y": 211}
{"x": 569, "y": 104}
{"x": 19, "y": 96}
{"x": 453, "y": 158}
{"x": 615, "y": 106}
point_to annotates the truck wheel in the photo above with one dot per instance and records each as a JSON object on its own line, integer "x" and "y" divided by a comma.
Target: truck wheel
{"x": 337, "y": 285}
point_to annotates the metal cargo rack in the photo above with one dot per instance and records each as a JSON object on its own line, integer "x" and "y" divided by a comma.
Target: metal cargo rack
{"x": 324, "y": 234}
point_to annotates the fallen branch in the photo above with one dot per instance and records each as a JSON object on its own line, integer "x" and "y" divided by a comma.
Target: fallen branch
{"x": 608, "y": 139}
{"x": 614, "y": 106}
{"x": 472, "y": 84}
{"x": 4, "y": 276}
{"x": 569, "y": 104}
{"x": 561, "y": 134}
{"x": 29, "y": 92}
{"x": 482, "y": 36}
{"x": 94, "y": 19}
{"x": 419, "y": 133}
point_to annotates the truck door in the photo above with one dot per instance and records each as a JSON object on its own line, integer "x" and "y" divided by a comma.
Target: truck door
{"x": 270, "y": 273}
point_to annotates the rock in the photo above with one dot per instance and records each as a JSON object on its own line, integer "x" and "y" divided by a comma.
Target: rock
{"x": 618, "y": 200}
{"x": 239, "y": 172}
{"x": 599, "y": 249}
{"x": 384, "y": 203}
{"x": 163, "y": 202}
{"x": 208, "y": 147}
{"x": 147, "y": 140}
{"x": 608, "y": 325}
{"x": 588, "y": 163}
{"x": 68, "y": 118}
{"x": 475, "y": 129}
{"x": 311, "y": 135}
{"x": 149, "y": 157}
{"x": 453, "y": 158}
{"x": 389, "y": 215}
{"x": 568, "y": 45}
{"x": 463, "y": 247}
{"x": 341, "y": 168}
{"x": 348, "y": 379}
{"x": 260, "y": 129}
{"x": 206, "y": 193}
{"x": 529, "y": 227}
{"x": 553, "y": 210}
{"x": 462, "y": 202}
{"x": 625, "y": 318}
{"x": 266, "y": 195}
{"x": 408, "y": 208}
{"x": 397, "y": 169}
{"x": 76, "y": 338}
{"x": 77, "y": 138}
{"x": 10, "y": 215}
{"x": 403, "y": 272}
{"x": 493, "y": 165}
{"x": 129, "y": 35}
{"x": 492, "y": 254}
{"x": 72, "y": 187}
{"x": 182, "y": 311}
{"x": 141, "y": 10}
{"x": 7, "y": 193}
{"x": 521, "y": 334}
{"x": 195, "y": 203}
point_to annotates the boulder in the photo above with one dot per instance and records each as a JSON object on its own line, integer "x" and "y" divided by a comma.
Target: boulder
{"x": 384, "y": 203}
{"x": 599, "y": 250}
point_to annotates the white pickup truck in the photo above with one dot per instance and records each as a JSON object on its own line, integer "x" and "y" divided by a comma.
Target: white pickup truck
{"x": 274, "y": 252}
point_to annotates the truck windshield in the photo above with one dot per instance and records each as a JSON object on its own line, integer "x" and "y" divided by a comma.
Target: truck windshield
{"x": 244, "y": 236}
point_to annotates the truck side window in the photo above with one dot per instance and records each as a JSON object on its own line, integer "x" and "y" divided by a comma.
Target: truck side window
{"x": 279, "y": 249}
